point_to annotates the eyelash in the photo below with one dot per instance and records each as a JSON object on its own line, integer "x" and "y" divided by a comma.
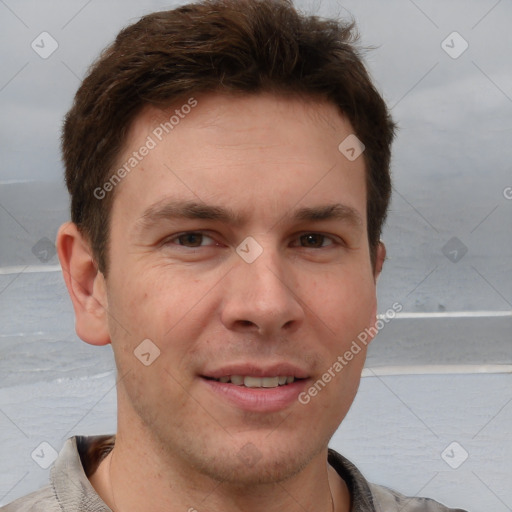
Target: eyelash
{"x": 172, "y": 239}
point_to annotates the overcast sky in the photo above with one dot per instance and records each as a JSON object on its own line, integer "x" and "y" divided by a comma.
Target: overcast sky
{"x": 462, "y": 97}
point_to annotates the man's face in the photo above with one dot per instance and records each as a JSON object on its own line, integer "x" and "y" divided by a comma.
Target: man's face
{"x": 239, "y": 248}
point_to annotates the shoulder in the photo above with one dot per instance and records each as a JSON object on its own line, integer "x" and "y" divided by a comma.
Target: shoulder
{"x": 69, "y": 487}
{"x": 387, "y": 500}
{"x": 377, "y": 498}
{"x": 43, "y": 500}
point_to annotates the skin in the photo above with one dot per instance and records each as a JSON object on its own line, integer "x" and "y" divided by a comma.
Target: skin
{"x": 304, "y": 300}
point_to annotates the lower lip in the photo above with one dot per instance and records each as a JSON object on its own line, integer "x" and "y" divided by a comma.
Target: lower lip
{"x": 258, "y": 399}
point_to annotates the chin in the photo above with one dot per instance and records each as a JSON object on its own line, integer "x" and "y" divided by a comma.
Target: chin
{"x": 253, "y": 460}
{"x": 265, "y": 468}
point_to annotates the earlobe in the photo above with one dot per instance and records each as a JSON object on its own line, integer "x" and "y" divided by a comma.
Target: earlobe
{"x": 85, "y": 284}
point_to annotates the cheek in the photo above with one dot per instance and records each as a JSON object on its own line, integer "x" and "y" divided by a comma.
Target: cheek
{"x": 156, "y": 295}
{"x": 168, "y": 311}
{"x": 346, "y": 305}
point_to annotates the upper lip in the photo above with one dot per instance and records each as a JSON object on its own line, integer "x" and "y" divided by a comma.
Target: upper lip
{"x": 254, "y": 370}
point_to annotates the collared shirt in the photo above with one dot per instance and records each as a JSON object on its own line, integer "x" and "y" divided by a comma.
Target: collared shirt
{"x": 70, "y": 490}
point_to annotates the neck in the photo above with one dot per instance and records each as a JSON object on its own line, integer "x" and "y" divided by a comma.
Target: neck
{"x": 134, "y": 477}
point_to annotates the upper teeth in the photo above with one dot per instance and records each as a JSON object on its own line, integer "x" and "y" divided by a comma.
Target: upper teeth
{"x": 257, "y": 382}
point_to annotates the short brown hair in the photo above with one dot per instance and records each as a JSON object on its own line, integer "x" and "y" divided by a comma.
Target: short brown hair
{"x": 244, "y": 46}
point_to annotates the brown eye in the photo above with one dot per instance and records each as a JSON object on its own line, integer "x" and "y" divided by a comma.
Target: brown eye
{"x": 190, "y": 239}
{"x": 313, "y": 240}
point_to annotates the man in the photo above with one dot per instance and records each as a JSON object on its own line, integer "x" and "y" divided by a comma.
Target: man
{"x": 228, "y": 165}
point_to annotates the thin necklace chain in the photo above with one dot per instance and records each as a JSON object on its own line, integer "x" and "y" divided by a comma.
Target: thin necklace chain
{"x": 110, "y": 481}
{"x": 332, "y": 499}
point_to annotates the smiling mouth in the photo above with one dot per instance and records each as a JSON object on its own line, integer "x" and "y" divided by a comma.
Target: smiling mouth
{"x": 255, "y": 382}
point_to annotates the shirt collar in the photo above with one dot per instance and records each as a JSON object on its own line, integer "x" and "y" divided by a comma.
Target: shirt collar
{"x": 74, "y": 491}
{"x": 70, "y": 484}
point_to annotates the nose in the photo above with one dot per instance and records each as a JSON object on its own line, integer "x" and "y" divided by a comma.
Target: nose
{"x": 262, "y": 297}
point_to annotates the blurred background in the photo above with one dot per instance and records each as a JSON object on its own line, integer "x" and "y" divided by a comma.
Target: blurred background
{"x": 434, "y": 410}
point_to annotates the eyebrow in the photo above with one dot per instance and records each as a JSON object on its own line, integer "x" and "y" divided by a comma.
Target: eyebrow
{"x": 173, "y": 209}
{"x": 337, "y": 211}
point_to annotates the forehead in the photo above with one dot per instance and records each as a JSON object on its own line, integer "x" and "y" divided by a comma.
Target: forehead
{"x": 221, "y": 109}
{"x": 230, "y": 120}
{"x": 241, "y": 150}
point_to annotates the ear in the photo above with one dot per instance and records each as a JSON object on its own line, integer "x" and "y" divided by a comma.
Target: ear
{"x": 380, "y": 257}
{"x": 85, "y": 284}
